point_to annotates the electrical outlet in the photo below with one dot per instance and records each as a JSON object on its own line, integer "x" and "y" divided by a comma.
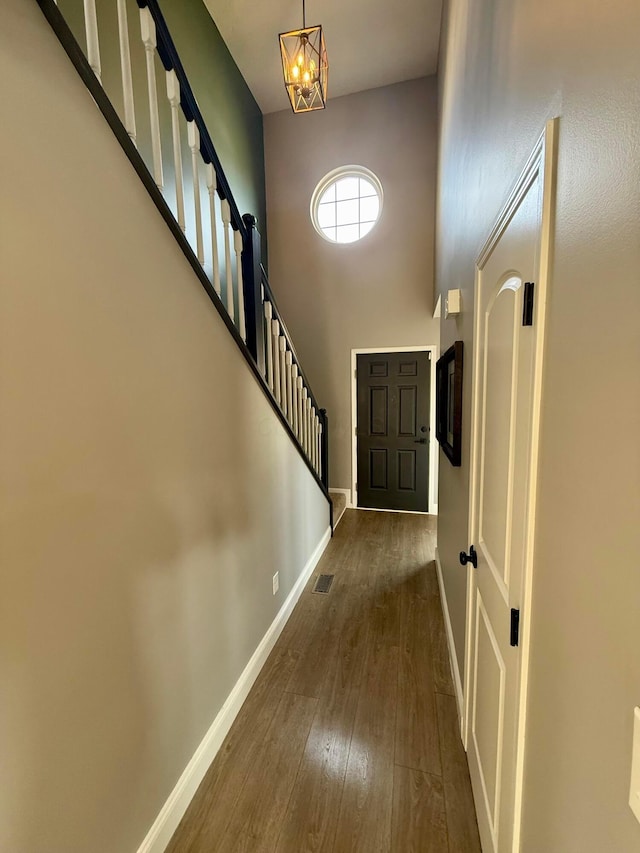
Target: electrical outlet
{"x": 634, "y": 788}
{"x": 276, "y": 582}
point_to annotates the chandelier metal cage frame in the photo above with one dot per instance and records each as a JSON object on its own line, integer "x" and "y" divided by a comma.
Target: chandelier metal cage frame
{"x": 305, "y": 67}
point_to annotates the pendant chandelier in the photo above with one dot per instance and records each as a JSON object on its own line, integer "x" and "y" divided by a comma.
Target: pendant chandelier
{"x": 305, "y": 67}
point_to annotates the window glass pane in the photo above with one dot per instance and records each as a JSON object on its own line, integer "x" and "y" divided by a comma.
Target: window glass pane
{"x": 347, "y": 212}
{"x": 365, "y": 227}
{"x": 367, "y": 188}
{"x": 369, "y": 209}
{"x": 347, "y": 188}
{"x": 330, "y": 232}
{"x": 329, "y": 194}
{"x": 347, "y": 233}
{"x": 326, "y": 214}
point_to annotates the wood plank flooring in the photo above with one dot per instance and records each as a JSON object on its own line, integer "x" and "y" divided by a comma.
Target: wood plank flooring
{"x": 349, "y": 740}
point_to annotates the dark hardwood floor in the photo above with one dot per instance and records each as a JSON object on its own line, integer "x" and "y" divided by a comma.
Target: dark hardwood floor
{"x": 349, "y": 740}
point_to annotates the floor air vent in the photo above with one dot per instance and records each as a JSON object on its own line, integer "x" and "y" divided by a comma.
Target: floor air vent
{"x": 323, "y": 584}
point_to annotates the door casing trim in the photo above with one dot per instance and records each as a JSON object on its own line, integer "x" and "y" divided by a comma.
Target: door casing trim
{"x": 433, "y": 350}
{"x": 542, "y": 161}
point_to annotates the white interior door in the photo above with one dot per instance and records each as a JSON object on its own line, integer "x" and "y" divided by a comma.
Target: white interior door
{"x": 507, "y": 362}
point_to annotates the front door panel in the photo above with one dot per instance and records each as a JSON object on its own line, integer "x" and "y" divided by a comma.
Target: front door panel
{"x": 393, "y": 430}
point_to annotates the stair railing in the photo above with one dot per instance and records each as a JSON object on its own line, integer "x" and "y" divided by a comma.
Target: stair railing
{"x": 289, "y": 385}
{"x": 222, "y": 247}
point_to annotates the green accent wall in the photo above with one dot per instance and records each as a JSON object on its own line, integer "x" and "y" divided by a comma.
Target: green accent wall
{"x": 230, "y": 111}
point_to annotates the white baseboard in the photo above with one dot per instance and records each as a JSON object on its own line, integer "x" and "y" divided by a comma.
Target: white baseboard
{"x": 173, "y": 810}
{"x": 453, "y": 658}
{"x": 345, "y": 492}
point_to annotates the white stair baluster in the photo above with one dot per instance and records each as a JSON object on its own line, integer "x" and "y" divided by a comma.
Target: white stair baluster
{"x": 299, "y": 392}
{"x": 309, "y": 442}
{"x": 266, "y": 333}
{"x": 212, "y": 186}
{"x": 282, "y": 346}
{"x": 317, "y": 442}
{"x": 305, "y": 421}
{"x": 91, "y": 30}
{"x": 314, "y": 445}
{"x": 237, "y": 245}
{"x": 303, "y": 440}
{"x": 226, "y": 222}
{"x": 275, "y": 337}
{"x": 268, "y": 312}
{"x": 291, "y": 391}
{"x": 125, "y": 70}
{"x": 308, "y": 424}
{"x": 148, "y": 33}
{"x": 320, "y": 471}
{"x": 193, "y": 136}
{"x": 173, "y": 94}
{"x": 294, "y": 398}
{"x": 289, "y": 360}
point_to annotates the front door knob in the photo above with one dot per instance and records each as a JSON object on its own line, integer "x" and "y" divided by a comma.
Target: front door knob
{"x": 471, "y": 557}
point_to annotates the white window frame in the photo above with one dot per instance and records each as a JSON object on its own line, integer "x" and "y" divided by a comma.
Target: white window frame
{"x": 351, "y": 171}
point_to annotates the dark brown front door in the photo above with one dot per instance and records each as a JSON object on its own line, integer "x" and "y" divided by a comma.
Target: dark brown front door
{"x": 393, "y": 430}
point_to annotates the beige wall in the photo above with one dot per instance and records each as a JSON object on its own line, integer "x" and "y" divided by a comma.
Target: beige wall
{"x": 147, "y": 491}
{"x": 506, "y": 67}
{"x": 378, "y": 292}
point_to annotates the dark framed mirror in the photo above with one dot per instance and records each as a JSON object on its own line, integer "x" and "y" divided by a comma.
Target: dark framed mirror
{"x": 449, "y": 403}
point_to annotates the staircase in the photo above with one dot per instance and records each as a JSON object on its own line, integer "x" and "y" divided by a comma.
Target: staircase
{"x": 193, "y": 196}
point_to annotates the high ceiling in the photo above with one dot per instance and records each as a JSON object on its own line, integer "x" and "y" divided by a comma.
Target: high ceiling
{"x": 370, "y": 43}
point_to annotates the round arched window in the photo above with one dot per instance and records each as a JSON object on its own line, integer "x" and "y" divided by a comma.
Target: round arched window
{"x": 346, "y": 204}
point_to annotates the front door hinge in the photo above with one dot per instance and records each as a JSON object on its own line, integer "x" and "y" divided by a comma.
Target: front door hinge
{"x": 515, "y": 627}
{"x": 356, "y": 487}
{"x": 527, "y": 311}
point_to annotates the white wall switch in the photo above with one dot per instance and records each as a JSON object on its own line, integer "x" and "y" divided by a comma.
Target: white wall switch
{"x": 634, "y": 790}
{"x": 276, "y": 582}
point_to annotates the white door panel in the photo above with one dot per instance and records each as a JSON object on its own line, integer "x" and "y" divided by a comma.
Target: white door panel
{"x": 506, "y": 393}
{"x": 496, "y": 456}
{"x": 488, "y": 714}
